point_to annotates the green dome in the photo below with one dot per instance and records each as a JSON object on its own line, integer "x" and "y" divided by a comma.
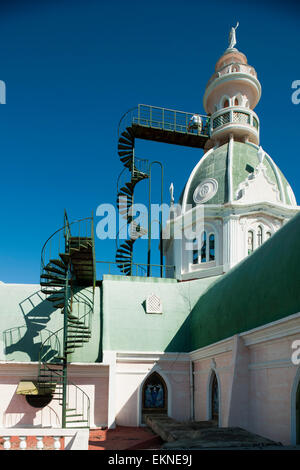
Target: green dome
{"x": 215, "y": 177}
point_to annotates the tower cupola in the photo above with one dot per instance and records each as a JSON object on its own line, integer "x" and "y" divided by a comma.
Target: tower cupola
{"x": 230, "y": 97}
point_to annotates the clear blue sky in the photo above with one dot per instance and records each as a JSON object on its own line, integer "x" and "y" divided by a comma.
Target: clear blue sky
{"x": 72, "y": 68}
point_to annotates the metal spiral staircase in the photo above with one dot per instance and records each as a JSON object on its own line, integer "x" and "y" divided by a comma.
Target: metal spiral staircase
{"x": 138, "y": 169}
{"x": 160, "y": 125}
{"x": 68, "y": 281}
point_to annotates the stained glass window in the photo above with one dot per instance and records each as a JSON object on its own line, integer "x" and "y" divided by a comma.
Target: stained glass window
{"x": 214, "y": 398}
{"x": 203, "y": 247}
{"x": 250, "y": 242}
{"x": 154, "y": 393}
{"x": 259, "y": 236}
{"x": 211, "y": 247}
{"x": 195, "y": 251}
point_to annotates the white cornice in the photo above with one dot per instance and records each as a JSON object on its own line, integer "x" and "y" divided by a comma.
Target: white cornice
{"x": 30, "y": 369}
{"x": 275, "y": 330}
{"x": 149, "y": 357}
{"x": 213, "y": 350}
{"x": 271, "y": 331}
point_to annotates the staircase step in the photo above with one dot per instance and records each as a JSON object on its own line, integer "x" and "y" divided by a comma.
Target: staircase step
{"x": 78, "y": 421}
{"x": 123, "y": 146}
{"x": 58, "y": 262}
{"x": 52, "y": 283}
{"x": 126, "y": 141}
{"x": 81, "y": 336}
{"x": 59, "y": 305}
{"x": 52, "y": 269}
{"x": 53, "y": 277}
{"x": 65, "y": 257}
{"x": 127, "y": 135}
{"x": 51, "y": 292}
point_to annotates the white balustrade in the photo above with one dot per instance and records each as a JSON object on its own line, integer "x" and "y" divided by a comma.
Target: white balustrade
{"x": 56, "y": 442}
{"x": 74, "y": 439}
{"x": 40, "y": 444}
{"x": 23, "y": 442}
{"x": 7, "y": 444}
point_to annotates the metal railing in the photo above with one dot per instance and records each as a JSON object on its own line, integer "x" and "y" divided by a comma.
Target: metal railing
{"x": 235, "y": 115}
{"x": 166, "y": 119}
{"x": 137, "y": 269}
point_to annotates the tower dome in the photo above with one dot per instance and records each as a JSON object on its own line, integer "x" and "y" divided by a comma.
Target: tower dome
{"x": 239, "y": 173}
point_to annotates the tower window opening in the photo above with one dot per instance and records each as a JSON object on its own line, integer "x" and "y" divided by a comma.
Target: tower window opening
{"x": 212, "y": 247}
{"x": 195, "y": 251}
{"x": 203, "y": 248}
{"x": 226, "y": 104}
{"x": 268, "y": 235}
{"x": 236, "y": 102}
{"x": 259, "y": 236}
{"x": 250, "y": 242}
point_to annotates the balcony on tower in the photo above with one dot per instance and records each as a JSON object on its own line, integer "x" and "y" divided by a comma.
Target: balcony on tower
{"x": 239, "y": 121}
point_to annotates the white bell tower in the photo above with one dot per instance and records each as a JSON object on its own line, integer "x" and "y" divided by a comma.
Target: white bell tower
{"x": 243, "y": 196}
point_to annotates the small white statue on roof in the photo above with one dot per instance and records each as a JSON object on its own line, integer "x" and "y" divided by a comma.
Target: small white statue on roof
{"x": 232, "y": 37}
{"x": 171, "y": 189}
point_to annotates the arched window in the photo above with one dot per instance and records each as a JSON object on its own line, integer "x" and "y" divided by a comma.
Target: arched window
{"x": 155, "y": 395}
{"x": 236, "y": 102}
{"x": 268, "y": 235}
{"x": 211, "y": 243}
{"x": 250, "y": 242}
{"x": 259, "y": 235}
{"x": 214, "y": 398}
{"x": 226, "y": 103}
{"x": 203, "y": 248}
{"x": 195, "y": 251}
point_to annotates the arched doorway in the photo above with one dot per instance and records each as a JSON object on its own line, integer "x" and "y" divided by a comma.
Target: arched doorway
{"x": 214, "y": 398}
{"x": 154, "y": 396}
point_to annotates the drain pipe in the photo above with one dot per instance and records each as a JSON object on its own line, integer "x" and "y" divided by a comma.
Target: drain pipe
{"x": 192, "y": 411}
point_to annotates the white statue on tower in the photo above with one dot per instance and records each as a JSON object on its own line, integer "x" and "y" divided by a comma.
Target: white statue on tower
{"x": 232, "y": 37}
{"x": 171, "y": 189}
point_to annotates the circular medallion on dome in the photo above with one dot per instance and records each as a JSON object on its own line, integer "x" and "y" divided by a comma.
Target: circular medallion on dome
{"x": 205, "y": 190}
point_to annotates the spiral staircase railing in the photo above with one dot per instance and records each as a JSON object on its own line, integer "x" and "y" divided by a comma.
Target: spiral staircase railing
{"x": 68, "y": 265}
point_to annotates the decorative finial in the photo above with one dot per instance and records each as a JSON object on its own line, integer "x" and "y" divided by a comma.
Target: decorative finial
{"x": 260, "y": 155}
{"x": 232, "y": 37}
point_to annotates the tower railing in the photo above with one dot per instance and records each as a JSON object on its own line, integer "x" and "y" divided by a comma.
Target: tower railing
{"x": 166, "y": 119}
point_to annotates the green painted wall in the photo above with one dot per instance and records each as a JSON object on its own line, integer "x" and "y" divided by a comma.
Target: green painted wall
{"x": 127, "y": 326}
{"x": 27, "y": 319}
{"x": 262, "y": 288}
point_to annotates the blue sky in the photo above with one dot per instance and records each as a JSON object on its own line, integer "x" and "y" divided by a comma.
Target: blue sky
{"x": 72, "y": 68}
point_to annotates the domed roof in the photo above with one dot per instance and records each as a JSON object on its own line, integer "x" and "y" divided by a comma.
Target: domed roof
{"x": 236, "y": 172}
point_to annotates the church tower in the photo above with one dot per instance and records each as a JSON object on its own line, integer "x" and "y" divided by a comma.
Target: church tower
{"x": 236, "y": 197}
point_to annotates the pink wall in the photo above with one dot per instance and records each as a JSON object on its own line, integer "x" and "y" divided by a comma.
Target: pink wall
{"x": 256, "y": 383}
